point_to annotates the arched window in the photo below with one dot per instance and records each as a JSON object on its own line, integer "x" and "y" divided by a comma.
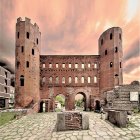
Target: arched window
{"x": 69, "y": 65}
{"x": 95, "y": 79}
{"x": 89, "y": 80}
{"x": 111, "y": 64}
{"x": 57, "y": 80}
{"x": 18, "y": 35}
{"x": 83, "y": 66}
{"x": 120, "y": 37}
{"x": 56, "y": 65}
{"x": 89, "y": 65}
{"x": 111, "y": 36}
{"x": 50, "y": 80}
{"x": 76, "y": 79}
{"x": 33, "y": 51}
{"x": 44, "y": 65}
{"x": 27, "y": 35}
{"x": 63, "y": 65}
{"x": 44, "y": 80}
{"x": 70, "y": 80}
{"x": 76, "y": 65}
{"x": 95, "y": 65}
{"x": 22, "y": 49}
{"x": 27, "y": 64}
{"x": 105, "y": 52}
{"x": 116, "y": 49}
{"x": 37, "y": 41}
{"x": 82, "y": 79}
{"x": 63, "y": 80}
{"x": 21, "y": 80}
{"x": 50, "y": 65}
{"x": 120, "y": 65}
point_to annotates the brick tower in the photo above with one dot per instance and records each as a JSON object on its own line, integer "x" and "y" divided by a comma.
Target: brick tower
{"x": 28, "y": 42}
{"x": 110, "y": 51}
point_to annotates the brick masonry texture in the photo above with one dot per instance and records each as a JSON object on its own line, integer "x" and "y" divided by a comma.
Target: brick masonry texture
{"x": 46, "y": 76}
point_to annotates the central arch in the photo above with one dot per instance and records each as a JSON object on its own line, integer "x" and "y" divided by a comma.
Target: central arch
{"x": 81, "y": 101}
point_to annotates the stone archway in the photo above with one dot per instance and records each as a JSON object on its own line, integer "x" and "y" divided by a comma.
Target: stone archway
{"x": 84, "y": 100}
{"x": 59, "y": 102}
{"x": 97, "y": 105}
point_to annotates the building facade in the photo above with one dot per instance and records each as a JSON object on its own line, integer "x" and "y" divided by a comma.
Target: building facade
{"x": 40, "y": 78}
{"x": 5, "y": 82}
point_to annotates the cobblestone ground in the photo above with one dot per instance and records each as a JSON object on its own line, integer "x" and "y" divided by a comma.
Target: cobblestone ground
{"x": 42, "y": 127}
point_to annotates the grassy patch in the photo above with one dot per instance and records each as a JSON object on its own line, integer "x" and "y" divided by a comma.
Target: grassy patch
{"x": 6, "y": 117}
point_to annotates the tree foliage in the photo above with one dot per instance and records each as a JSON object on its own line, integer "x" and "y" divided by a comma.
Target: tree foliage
{"x": 60, "y": 99}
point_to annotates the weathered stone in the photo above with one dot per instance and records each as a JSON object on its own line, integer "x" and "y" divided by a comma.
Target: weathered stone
{"x": 85, "y": 122}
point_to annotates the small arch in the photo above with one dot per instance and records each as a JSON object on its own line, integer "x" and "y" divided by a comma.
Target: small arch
{"x": 63, "y": 65}
{"x": 22, "y": 49}
{"x": 63, "y": 80}
{"x": 27, "y": 64}
{"x": 17, "y": 34}
{"x": 33, "y": 51}
{"x": 89, "y": 79}
{"x": 21, "y": 80}
{"x": 50, "y": 65}
{"x": 76, "y": 65}
{"x": 43, "y": 65}
{"x": 18, "y": 63}
{"x": 83, "y": 66}
{"x": 50, "y": 80}
{"x": 97, "y": 106}
{"x": 82, "y": 79}
{"x": 95, "y": 79}
{"x": 27, "y": 35}
{"x": 111, "y": 36}
{"x": 69, "y": 65}
{"x": 120, "y": 65}
{"x": 120, "y": 37}
{"x": 76, "y": 79}
{"x": 116, "y": 49}
{"x": 105, "y": 52}
{"x": 37, "y": 41}
{"x": 42, "y": 106}
{"x": 57, "y": 80}
{"x": 59, "y": 102}
{"x": 70, "y": 79}
{"x": 111, "y": 64}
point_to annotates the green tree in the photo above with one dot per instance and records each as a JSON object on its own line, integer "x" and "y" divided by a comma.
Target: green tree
{"x": 60, "y": 99}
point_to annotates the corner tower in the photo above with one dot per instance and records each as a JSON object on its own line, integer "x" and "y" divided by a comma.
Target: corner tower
{"x": 27, "y": 51}
{"x": 110, "y": 51}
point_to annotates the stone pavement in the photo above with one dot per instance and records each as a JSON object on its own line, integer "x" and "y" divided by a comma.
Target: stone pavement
{"x": 42, "y": 127}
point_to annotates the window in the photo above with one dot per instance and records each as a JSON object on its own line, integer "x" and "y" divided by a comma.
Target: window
{"x": 69, "y": 65}
{"x": 5, "y": 89}
{"x": 56, "y": 65}
{"x": 76, "y": 65}
{"x": 95, "y": 79}
{"x": 33, "y": 52}
{"x": 63, "y": 65}
{"x": 116, "y": 49}
{"x": 63, "y": 80}
{"x": 5, "y": 81}
{"x": 50, "y": 80}
{"x": 111, "y": 64}
{"x": 89, "y": 80}
{"x": 105, "y": 52}
{"x": 82, "y": 79}
{"x": 37, "y": 41}
{"x": 22, "y": 49}
{"x": 44, "y": 65}
{"x": 44, "y": 80}
{"x": 95, "y": 65}
{"x": 70, "y": 79}
{"x": 76, "y": 79}
{"x": 102, "y": 41}
{"x": 21, "y": 80}
{"x": 5, "y": 74}
{"x": 18, "y": 35}
{"x": 27, "y": 35}
{"x": 111, "y": 36}
{"x": 18, "y": 63}
{"x": 89, "y": 65}
{"x": 57, "y": 80}
{"x": 120, "y": 65}
{"x": 27, "y": 64}
{"x": 83, "y": 66}
{"x": 50, "y": 65}
{"x": 120, "y": 37}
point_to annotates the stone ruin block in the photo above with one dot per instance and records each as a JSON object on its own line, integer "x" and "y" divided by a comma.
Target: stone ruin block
{"x": 72, "y": 120}
{"x": 119, "y": 118}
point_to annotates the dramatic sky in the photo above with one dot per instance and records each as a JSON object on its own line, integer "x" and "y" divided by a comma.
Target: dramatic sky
{"x": 73, "y": 27}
